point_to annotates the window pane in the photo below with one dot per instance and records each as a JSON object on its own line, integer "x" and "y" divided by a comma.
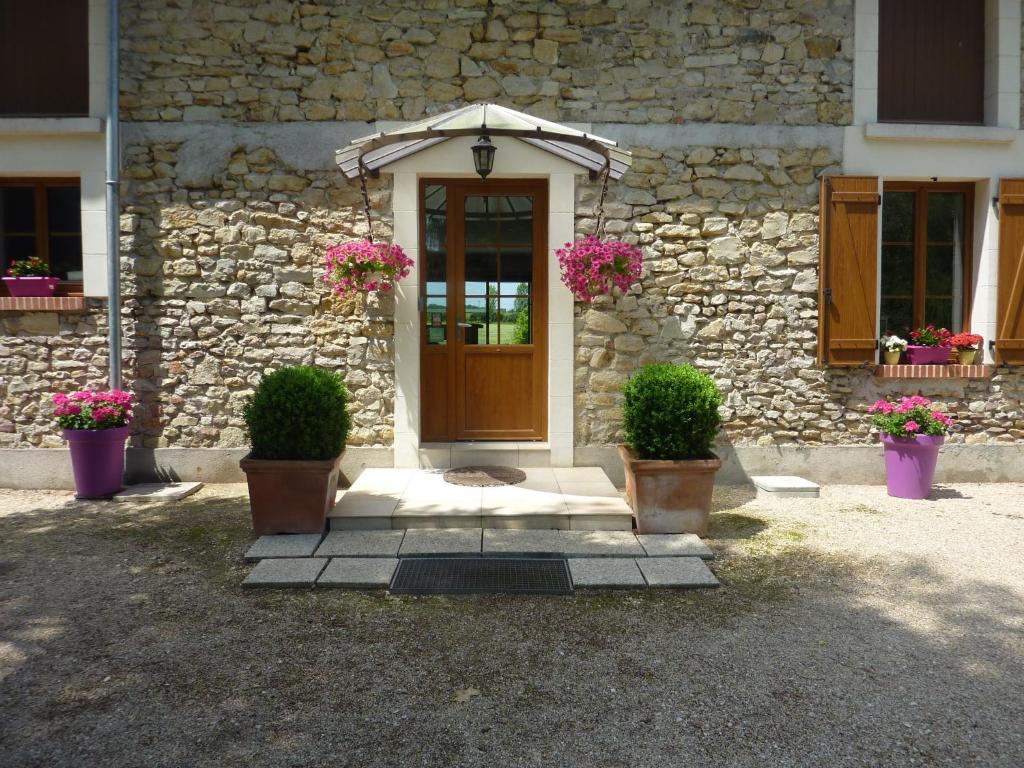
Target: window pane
{"x": 516, "y": 267}
{"x": 63, "y": 210}
{"x": 436, "y": 273}
{"x": 481, "y": 220}
{"x": 898, "y": 271}
{"x": 898, "y": 217}
{"x": 939, "y": 312}
{"x": 66, "y": 257}
{"x": 515, "y": 319}
{"x": 481, "y": 314}
{"x": 17, "y": 224}
{"x": 896, "y": 316}
{"x": 436, "y": 217}
{"x": 481, "y": 271}
{"x": 516, "y": 219}
{"x": 945, "y": 217}
{"x": 940, "y": 270}
{"x": 437, "y": 320}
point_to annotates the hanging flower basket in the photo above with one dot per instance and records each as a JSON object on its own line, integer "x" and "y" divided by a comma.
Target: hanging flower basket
{"x": 593, "y": 267}
{"x": 360, "y": 266}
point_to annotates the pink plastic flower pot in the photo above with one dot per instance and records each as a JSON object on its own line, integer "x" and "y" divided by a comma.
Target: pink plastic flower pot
{"x": 97, "y": 459}
{"x": 910, "y": 464}
{"x": 927, "y": 355}
{"x": 31, "y": 286}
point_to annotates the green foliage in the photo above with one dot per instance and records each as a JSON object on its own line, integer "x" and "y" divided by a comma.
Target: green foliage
{"x": 671, "y": 412}
{"x": 298, "y": 414}
{"x": 521, "y": 329}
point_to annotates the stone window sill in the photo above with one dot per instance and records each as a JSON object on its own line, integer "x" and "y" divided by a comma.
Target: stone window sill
{"x": 50, "y": 126}
{"x": 934, "y": 371}
{"x": 981, "y": 134}
{"x": 42, "y": 303}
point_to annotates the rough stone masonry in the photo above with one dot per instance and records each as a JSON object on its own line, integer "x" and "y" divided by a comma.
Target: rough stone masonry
{"x": 233, "y": 110}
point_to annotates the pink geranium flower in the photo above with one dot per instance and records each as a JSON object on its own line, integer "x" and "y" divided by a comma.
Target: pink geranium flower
{"x": 360, "y": 266}
{"x": 911, "y": 426}
{"x": 593, "y": 267}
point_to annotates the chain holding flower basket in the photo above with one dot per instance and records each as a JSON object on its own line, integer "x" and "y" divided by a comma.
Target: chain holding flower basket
{"x": 596, "y": 266}
{"x": 361, "y": 266}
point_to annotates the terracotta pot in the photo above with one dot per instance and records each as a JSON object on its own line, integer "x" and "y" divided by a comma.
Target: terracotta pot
{"x": 967, "y": 356}
{"x": 891, "y": 356}
{"x": 670, "y": 496}
{"x": 290, "y": 496}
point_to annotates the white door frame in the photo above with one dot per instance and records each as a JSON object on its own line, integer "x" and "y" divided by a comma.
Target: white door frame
{"x": 513, "y": 159}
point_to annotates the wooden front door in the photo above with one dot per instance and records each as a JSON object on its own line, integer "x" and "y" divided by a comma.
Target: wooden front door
{"x": 483, "y": 310}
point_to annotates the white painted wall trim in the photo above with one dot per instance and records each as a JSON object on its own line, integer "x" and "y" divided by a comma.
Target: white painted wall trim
{"x": 513, "y": 159}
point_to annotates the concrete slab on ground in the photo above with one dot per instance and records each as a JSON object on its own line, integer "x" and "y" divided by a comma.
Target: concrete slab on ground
{"x": 358, "y": 572}
{"x": 285, "y": 572}
{"x": 514, "y": 543}
{"x": 785, "y": 486}
{"x": 441, "y": 542}
{"x": 360, "y": 544}
{"x": 284, "y": 545}
{"x": 158, "y": 491}
{"x": 676, "y": 572}
{"x": 605, "y": 573}
{"x": 675, "y": 545}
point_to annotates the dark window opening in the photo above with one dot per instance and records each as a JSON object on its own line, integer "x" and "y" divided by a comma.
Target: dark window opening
{"x": 931, "y": 61}
{"x": 42, "y": 217}
{"x": 44, "y": 58}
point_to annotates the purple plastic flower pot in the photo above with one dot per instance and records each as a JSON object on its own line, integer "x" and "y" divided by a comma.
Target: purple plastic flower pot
{"x": 910, "y": 464}
{"x": 917, "y": 355}
{"x": 31, "y": 286}
{"x": 97, "y": 459}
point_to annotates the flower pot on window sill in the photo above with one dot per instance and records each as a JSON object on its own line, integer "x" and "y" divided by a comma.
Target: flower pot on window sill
{"x": 891, "y": 356}
{"x": 31, "y": 286}
{"x": 917, "y": 355}
{"x": 967, "y": 356}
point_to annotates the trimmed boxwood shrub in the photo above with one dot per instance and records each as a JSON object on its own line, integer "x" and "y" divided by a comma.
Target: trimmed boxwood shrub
{"x": 671, "y": 412}
{"x": 298, "y": 414}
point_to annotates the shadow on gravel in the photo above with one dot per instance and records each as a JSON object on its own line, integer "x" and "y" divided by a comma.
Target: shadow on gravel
{"x": 125, "y": 639}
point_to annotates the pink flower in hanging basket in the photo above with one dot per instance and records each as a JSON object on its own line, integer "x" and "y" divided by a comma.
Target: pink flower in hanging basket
{"x": 358, "y": 266}
{"x": 593, "y": 267}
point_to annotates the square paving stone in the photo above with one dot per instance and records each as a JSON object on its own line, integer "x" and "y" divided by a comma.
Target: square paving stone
{"x": 606, "y": 573}
{"x": 785, "y": 486}
{"x": 676, "y": 572}
{"x": 285, "y": 572}
{"x": 675, "y": 545}
{"x": 158, "y": 491}
{"x": 358, "y": 572}
{"x": 361, "y": 544}
{"x": 284, "y": 545}
{"x": 441, "y": 541}
{"x": 567, "y": 543}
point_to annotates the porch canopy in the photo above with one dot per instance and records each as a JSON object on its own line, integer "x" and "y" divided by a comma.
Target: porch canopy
{"x": 371, "y": 153}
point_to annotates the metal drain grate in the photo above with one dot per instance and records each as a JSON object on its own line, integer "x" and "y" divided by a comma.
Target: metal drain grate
{"x": 429, "y": 575}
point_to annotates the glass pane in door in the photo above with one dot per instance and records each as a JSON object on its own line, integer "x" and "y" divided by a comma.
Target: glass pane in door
{"x": 943, "y": 304}
{"x": 435, "y": 264}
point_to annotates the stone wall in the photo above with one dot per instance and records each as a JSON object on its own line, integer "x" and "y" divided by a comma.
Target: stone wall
{"x": 44, "y": 352}
{"x": 730, "y": 238}
{"x": 755, "y": 61}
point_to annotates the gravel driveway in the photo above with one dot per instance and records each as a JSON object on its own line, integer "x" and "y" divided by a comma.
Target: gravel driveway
{"x": 854, "y": 630}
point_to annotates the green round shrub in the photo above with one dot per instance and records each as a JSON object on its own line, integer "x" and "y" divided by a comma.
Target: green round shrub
{"x": 298, "y": 414}
{"x": 671, "y": 412}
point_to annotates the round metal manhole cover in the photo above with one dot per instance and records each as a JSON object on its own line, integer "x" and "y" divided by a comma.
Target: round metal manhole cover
{"x": 483, "y": 477}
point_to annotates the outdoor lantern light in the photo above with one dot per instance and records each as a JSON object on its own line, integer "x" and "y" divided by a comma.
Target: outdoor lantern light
{"x": 483, "y": 156}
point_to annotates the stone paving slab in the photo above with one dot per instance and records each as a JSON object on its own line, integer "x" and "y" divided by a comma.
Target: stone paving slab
{"x": 284, "y": 545}
{"x": 606, "y": 573}
{"x": 285, "y": 572}
{"x": 441, "y": 542}
{"x": 361, "y": 544}
{"x": 565, "y": 543}
{"x": 675, "y": 545}
{"x": 676, "y": 572}
{"x": 358, "y": 572}
{"x": 785, "y": 486}
{"x": 158, "y": 491}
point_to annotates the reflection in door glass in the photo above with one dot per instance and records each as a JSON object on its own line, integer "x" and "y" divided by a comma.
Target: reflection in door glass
{"x": 498, "y": 270}
{"x": 435, "y": 264}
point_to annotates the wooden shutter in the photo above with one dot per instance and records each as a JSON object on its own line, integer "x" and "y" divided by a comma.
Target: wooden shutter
{"x": 849, "y": 270}
{"x": 44, "y": 57}
{"x": 931, "y": 61}
{"x": 1010, "y": 291}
